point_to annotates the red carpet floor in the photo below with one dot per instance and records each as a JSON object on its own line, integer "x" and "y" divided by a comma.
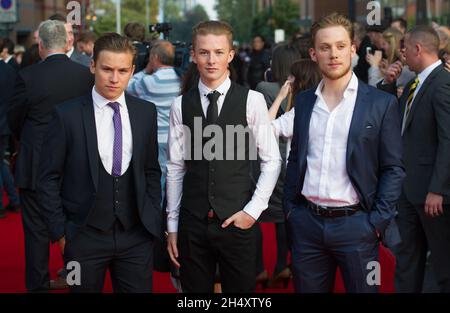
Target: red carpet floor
{"x": 12, "y": 261}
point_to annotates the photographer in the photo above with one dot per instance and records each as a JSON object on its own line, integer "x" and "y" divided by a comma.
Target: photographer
{"x": 136, "y": 32}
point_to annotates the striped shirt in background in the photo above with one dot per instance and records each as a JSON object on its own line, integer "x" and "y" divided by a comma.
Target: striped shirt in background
{"x": 161, "y": 88}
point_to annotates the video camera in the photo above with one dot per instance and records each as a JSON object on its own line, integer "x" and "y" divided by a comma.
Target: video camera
{"x": 182, "y": 50}
{"x": 164, "y": 28}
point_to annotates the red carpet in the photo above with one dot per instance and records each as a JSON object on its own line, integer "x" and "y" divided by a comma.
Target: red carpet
{"x": 12, "y": 261}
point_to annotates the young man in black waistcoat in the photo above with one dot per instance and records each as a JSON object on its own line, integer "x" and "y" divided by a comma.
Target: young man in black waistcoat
{"x": 99, "y": 177}
{"x": 210, "y": 206}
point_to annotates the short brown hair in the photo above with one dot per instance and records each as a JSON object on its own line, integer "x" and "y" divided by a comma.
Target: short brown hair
{"x": 87, "y": 37}
{"x": 426, "y": 36}
{"x": 115, "y": 43}
{"x": 214, "y": 28}
{"x": 135, "y": 31}
{"x": 334, "y": 19}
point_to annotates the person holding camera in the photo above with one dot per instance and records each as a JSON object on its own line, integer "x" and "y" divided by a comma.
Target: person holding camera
{"x": 136, "y": 33}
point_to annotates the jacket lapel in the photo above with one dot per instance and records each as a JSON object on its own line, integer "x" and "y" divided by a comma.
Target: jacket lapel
{"x": 90, "y": 132}
{"x": 133, "y": 114}
{"x": 305, "y": 113}
{"x": 420, "y": 94}
{"x": 358, "y": 118}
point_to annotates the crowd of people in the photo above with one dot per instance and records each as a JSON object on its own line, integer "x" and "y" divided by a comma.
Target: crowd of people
{"x": 349, "y": 124}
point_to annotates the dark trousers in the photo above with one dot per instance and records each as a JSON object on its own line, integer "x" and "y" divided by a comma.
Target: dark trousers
{"x": 282, "y": 249}
{"x": 37, "y": 243}
{"x": 6, "y": 178}
{"x": 127, "y": 254}
{"x": 321, "y": 244}
{"x": 202, "y": 244}
{"x": 420, "y": 234}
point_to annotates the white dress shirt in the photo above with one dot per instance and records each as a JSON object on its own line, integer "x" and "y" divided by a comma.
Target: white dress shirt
{"x": 8, "y": 58}
{"x": 268, "y": 150}
{"x": 105, "y": 131}
{"x": 326, "y": 180}
{"x": 70, "y": 52}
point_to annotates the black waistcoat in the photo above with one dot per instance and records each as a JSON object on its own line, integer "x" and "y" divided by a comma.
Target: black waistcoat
{"x": 225, "y": 184}
{"x": 115, "y": 200}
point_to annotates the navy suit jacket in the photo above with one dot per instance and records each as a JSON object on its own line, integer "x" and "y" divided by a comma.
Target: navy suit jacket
{"x": 69, "y": 167}
{"x": 7, "y": 80}
{"x": 374, "y": 153}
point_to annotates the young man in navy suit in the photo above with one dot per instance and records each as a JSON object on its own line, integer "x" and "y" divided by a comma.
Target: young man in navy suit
{"x": 99, "y": 177}
{"x": 345, "y": 168}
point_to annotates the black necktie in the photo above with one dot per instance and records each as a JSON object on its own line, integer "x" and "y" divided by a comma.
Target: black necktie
{"x": 213, "y": 111}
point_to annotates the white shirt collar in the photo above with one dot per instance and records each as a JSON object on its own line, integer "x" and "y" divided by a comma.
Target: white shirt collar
{"x": 7, "y": 59}
{"x": 351, "y": 87}
{"x": 100, "y": 102}
{"x": 223, "y": 88}
{"x": 69, "y": 53}
{"x": 427, "y": 71}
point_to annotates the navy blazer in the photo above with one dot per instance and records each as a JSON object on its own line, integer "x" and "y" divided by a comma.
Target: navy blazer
{"x": 69, "y": 167}
{"x": 374, "y": 153}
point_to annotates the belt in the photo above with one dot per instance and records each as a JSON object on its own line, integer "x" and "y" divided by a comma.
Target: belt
{"x": 327, "y": 211}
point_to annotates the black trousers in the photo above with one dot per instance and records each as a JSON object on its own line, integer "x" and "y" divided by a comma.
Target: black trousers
{"x": 202, "y": 244}
{"x": 420, "y": 233}
{"x": 127, "y": 254}
{"x": 37, "y": 243}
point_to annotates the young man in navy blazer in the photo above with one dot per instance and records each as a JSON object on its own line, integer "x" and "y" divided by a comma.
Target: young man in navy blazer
{"x": 345, "y": 168}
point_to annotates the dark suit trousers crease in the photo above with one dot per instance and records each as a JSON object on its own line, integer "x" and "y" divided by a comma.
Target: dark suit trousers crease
{"x": 419, "y": 234}
{"x": 128, "y": 254}
{"x": 204, "y": 243}
{"x": 37, "y": 243}
{"x": 320, "y": 245}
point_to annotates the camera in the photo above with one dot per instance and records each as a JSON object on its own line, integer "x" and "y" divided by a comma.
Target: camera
{"x": 164, "y": 28}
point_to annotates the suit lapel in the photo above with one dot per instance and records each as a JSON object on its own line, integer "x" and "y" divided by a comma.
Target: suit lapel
{"x": 305, "y": 113}
{"x": 90, "y": 132}
{"x": 358, "y": 118}
{"x": 420, "y": 94}
{"x": 133, "y": 113}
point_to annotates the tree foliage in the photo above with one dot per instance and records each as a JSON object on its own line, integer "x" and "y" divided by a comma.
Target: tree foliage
{"x": 134, "y": 11}
{"x": 249, "y": 20}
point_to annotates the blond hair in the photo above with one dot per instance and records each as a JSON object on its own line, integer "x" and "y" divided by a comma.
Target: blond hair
{"x": 333, "y": 19}
{"x": 212, "y": 28}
